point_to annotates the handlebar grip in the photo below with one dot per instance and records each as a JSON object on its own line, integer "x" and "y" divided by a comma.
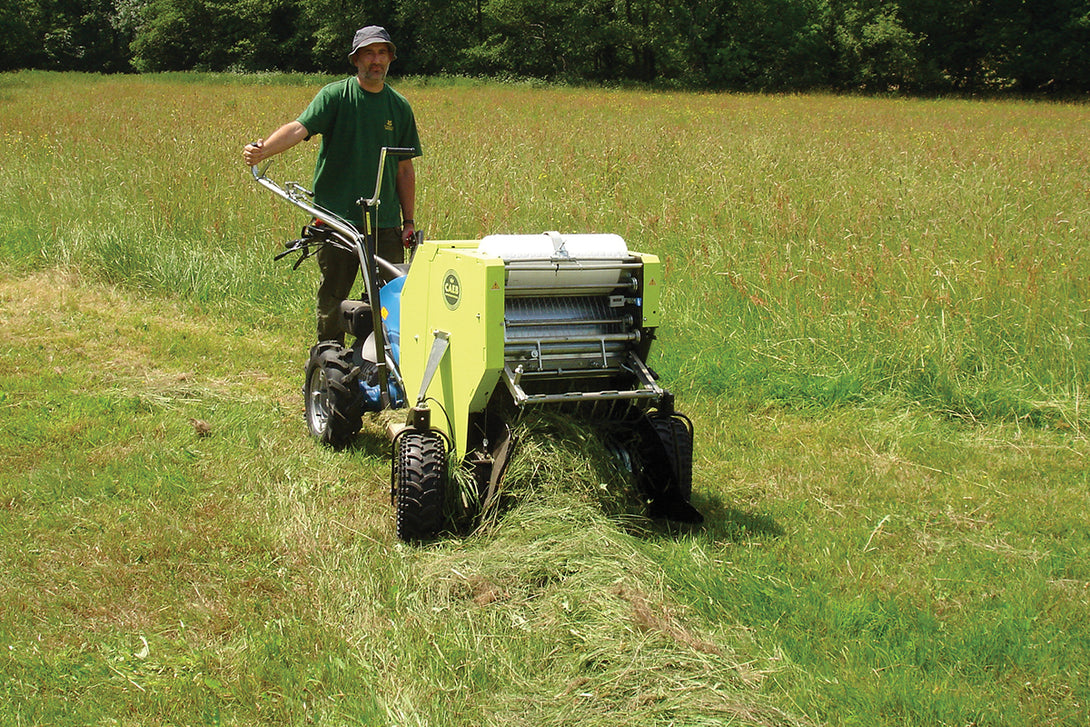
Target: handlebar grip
{"x": 401, "y": 151}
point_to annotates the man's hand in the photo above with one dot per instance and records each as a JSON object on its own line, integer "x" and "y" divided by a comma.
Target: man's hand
{"x": 408, "y": 233}
{"x": 280, "y": 140}
{"x": 253, "y": 153}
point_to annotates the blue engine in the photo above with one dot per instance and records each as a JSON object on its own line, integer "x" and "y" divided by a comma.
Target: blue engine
{"x": 390, "y": 298}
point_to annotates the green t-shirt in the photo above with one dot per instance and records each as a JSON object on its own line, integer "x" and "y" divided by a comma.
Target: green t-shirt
{"x": 355, "y": 125}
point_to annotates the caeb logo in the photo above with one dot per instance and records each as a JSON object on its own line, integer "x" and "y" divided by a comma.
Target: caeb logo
{"x": 452, "y": 290}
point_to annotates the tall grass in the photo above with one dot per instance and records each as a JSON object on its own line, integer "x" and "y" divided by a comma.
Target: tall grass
{"x": 875, "y": 315}
{"x": 833, "y": 249}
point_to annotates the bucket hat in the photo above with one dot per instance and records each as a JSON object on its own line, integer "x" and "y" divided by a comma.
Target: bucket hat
{"x": 369, "y": 36}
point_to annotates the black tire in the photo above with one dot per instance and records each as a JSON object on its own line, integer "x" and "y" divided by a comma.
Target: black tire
{"x": 665, "y": 471}
{"x": 419, "y": 485}
{"x": 332, "y": 395}
{"x": 676, "y": 435}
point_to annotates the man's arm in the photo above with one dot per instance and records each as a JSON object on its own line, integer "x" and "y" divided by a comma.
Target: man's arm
{"x": 406, "y": 193}
{"x": 280, "y": 140}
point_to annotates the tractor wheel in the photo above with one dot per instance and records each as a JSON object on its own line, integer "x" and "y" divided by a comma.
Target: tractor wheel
{"x": 332, "y": 395}
{"x": 665, "y": 474}
{"x": 676, "y": 435}
{"x": 419, "y": 478}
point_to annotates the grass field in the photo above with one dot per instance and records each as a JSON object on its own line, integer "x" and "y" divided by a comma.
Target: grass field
{"x": 876, "y": 315}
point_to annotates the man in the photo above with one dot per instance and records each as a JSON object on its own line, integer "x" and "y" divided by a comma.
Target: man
{"x": 356, "y": 117}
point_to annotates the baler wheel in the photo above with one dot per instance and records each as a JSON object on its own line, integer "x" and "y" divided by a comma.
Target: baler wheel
{"x": 665, "y": 475}
{"x": 332, "y": 395}
{"x": 676, "y": 435}
{"x": 419, "y": 479}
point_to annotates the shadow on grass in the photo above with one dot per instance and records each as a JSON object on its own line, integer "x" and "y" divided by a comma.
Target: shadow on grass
{"x": 725, "y": 522}
{"x": 371, "y": 445}
{"x": 721, "y": 522}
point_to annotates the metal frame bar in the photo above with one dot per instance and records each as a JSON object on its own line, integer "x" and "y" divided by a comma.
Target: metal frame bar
{"x": 648, "y": 388}
{"x": 347, "y": 238}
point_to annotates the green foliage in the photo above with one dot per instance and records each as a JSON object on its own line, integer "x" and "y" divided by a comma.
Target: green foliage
{"x": 328, "y": 27}
{"x": 81, "y": 35}
{"x": 876, "y": 52}
{"x": 216, "y": 35}
{"x": 907, "y": 46}
{"x": 1045, "y": 45}
{"x": 20, "y": 34}
{"x": 435, "y": 34}
{"x": 770, "y": 44}
{"x": 1031, "y": 47}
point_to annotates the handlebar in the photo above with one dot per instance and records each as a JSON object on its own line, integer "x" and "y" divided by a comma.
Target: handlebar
{"x": 347, "y": 237}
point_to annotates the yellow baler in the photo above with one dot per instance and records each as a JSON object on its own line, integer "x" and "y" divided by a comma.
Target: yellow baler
{"x": 494, "y": 327}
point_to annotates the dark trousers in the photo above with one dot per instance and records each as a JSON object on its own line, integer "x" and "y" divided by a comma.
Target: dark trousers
{"x": 339, "y": 268}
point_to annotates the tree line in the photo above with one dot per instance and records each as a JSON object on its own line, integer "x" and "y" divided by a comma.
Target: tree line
{"x": 911, "y": 46}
